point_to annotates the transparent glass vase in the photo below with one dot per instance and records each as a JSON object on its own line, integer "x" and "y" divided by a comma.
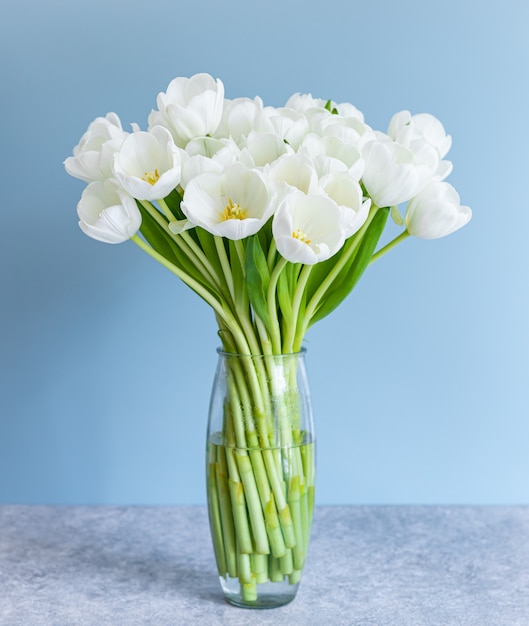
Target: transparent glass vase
{"x": 260, "y": 476}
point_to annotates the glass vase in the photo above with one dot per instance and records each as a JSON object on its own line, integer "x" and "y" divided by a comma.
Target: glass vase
{"x": 260, "y": 476}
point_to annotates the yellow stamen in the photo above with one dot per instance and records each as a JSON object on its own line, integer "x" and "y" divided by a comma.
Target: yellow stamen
{"x": 151, "y": 177}
{"x": 233, "y": 211}
{"x": 298, "y": 234}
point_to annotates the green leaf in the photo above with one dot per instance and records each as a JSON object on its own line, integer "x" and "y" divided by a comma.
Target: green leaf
{"x": 237, "y": 272}
{"x": 173, "y": 201}
{"x": 285, "y": 294}
{"x": 156, "y": 236}
{"x": 207, "y": 242}
{"x": 257, "y": 278}
{"x": 330, "y": 108}
{"x": 350, "y": 274}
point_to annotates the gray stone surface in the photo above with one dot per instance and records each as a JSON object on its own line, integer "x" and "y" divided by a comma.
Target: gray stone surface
{"x": 367, "y": 566}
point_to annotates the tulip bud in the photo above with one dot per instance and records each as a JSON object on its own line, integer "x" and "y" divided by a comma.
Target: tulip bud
{"x": 108, "y": 214}
{"x": 436, "y": 212}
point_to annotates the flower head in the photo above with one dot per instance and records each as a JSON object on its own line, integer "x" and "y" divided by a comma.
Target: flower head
{"x": 206, "y": 155}
{"x": 234, "y": 203}
{"x": 290, "y": 125}
{"x": 242, "y": 116}
{"x": 436, "y": 212}
{"x": 107, "y": 213}
{"x": 191, "y": 107}
{"x": 93, "y": 155}
{"x": 296, "y": 170}
{"x": 307, "y": 228}
{"x": 392, "y": 173}
{"x": 406, "y": 128}
{"x": 148, "y": 165}
{"x": 347, "y": 193}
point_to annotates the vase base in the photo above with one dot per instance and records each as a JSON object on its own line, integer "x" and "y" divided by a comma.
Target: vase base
{"x": 267, "y": 595}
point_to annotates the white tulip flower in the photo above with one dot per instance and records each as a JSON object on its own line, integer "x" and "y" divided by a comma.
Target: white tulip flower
{"x": 93, "y": 156}
{"x": 331, "y": 154}
{"x": 347, "y": 193}
{"x": 208, "y": 155}
{"x": 297, "y": 170}
{"x": 148, "y": 164}
{"x": 290, "y": 125}
{"x": 265, "y": 148}
{"x": 392, "y": 173}
{"x": 436, "y": 212}
{"x": 405, "y": 128}
{"x": 351, "y": 130}
{"x": 425, "y": 136}
{"x": 234, "y": 203}
{"x": 307, "y": 228}
{"x": 305, "y": 102}
{"x": 190, "y": 108}
{"x": 107, "y": 213}
{"x": 348, "y": 110}
{"x": 242, "y": 116}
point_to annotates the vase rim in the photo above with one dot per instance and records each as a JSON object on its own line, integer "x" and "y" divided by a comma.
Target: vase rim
{"x": 300, "y": 352}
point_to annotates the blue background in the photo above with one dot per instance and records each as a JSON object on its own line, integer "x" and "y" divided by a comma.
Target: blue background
{"x": 419, "y": 381}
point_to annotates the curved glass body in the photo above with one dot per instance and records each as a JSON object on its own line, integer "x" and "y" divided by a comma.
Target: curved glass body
{"x": 260, "y": 476}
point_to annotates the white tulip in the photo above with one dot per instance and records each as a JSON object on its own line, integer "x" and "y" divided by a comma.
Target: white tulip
{"x": 107, "y": 213}
{"x": 347, "y": 193}
{"x": 234, "y": 203}
{"x": 331, "y": 154}
{"x": 93, "y": 156}
{"x": 191, "y": 107}
{"x": 307, "y": 228}
{"x": 392, "y": 173}
{"x": 347, "y": 110}
{"x": 425, "y": 136}
{"x": 242, "y": 116}
{"x": 404, "y": 128}
{"x": 290, "y": 125}
{"x": 208, "y": 155}
{"x": 351, "y": 130}
{"x": 305, "y": 102}
{"x": 296, "y": 170}
{"x": 198, "y": 165}
{"x": 436, "y": 212}
{"x": 148, "y": 165}
{"x": 265, "y": 148}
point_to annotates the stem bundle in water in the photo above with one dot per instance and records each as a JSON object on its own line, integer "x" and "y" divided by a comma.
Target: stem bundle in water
{"x": 260, "y": 474}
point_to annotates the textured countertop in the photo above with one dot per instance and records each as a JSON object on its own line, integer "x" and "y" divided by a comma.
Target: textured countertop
{"x": 367, "y": 565}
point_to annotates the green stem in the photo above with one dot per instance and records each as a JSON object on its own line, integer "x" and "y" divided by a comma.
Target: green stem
{"x": 225, "y": 264}
{"x": 241, "y": 300}
{"x": 271, "y": 258}
{"x": 272, "y": 307}
{"x": 266, "y": 344}
{"x": 241, "y": 254}
{"x": 153, "y": 211}
{"x": 184, "y": 242}
{"x": 166, "y": 210}
{"x": 292, "y": 338}
{"x": 195, "y": 253}
{"x": 404, "y": 235}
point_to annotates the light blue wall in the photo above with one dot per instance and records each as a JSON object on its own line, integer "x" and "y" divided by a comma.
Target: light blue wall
{"x": 419, "y": 382}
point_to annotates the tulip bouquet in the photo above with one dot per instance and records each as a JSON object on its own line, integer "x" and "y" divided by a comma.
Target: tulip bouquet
{"x": 270, "y": 215}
